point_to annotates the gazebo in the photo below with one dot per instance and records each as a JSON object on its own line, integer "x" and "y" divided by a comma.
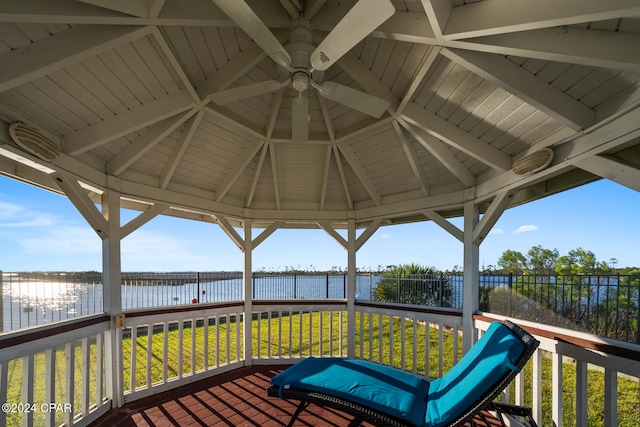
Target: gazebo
{"x": 338, "y": 115}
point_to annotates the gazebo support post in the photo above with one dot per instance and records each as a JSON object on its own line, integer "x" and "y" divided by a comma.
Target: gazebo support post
{"x": 248, "y": 294}
{"x": 112, "y": 296}
{"x": 471, "y": 285}
{"x": 351, "y": 288}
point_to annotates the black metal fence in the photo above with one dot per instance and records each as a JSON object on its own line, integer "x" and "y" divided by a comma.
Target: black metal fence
{"x": 602, "y": 305}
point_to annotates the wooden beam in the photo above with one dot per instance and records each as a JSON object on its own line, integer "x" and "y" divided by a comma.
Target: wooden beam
{"x": 60, "y": 50}
{"x": 613, "y": 169}
{"x": 333, "y": 233}
{"x": 444, "y": 224}
{"x": 181, "y": 146}
{"x": 274, "y": 174}
{"x": 83, "y": 203}
{"x": 141, "y": 145}
{"x": 142, "y": 219}
{"x": 256, "y": 175}
{"x": 442, "y": 153}
{"x": 360, "y": 172}
{"x": 456, "y": 137}
{"x": 130, "y": 7}
{"x": 266, "y": 233}
{"x": 503, "y": 16}
{"x": 412, "y": 159}
{"x": 417, "y": 78}
{"x": 368, "y": 232}
{"x": 491, "y": 216}
{"x": 605, "y": 49}
{"x": 230, "y": 231}
{"x": 526, "y": 86}
{"x": 125, "y": 123}
{"x": 325, "y": 177}
{"x": 438, "y": 12}
{"x": 248, "y": 155}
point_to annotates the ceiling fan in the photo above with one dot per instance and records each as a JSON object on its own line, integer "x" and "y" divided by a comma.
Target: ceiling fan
{"x": 301, "y": 64}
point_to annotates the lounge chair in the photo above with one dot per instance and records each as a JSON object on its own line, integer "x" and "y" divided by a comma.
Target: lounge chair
{"x": 386, "y": 396}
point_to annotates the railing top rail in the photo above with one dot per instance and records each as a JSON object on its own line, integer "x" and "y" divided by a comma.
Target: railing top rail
{"x": 28, "y": 341}
{"x": 410, "y": 308}
{"x": 580, "y": 339}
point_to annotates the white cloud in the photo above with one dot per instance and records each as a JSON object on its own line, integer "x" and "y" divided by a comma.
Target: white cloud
{"x": 61, "y": 240}
{"x": 384, "y": 236}
{"x": 496, "y": 231}
{"x": 16, "y": 216}
{"x": 525, "y": 229}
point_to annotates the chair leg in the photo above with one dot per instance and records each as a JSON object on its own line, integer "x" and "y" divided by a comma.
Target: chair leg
{"x": 301, "y": 407}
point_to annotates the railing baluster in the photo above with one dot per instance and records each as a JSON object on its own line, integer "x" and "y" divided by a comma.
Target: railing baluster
{"x": 85, "y": 378}
{"x": 193, "y": 346}
{"x": 165, "y": 352}
{"x": 581, "y": 392}
{"x": 149, "y": 354}
{"x": 556, "y": 389}
{"x": 205, "y": 343}
{"x": 537, "y": 385}
{"x": 69, "y": 394}
{"x": 134, "y": 351}
{"x": 227, "y": 319}
{"x": 440, "y": 349}
{"x": 414, "y": 344}
{"x": 610, "y": 397}
{"x": 99, "y": 368}
{"x": 4, "y": 386}
{"x": 180, "y": 346}
{"x": 49, "y": 385}
{"x": 27, "y": 388}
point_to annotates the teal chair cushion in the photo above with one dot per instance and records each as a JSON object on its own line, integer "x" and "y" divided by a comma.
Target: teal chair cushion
{"x": 387, "y": 390}
{"x": 476, "y": 373}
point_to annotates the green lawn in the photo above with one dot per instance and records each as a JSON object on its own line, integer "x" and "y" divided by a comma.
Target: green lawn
{"x": 305, "y": 341}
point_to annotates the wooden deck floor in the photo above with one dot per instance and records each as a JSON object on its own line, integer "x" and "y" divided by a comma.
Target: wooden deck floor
{"x": 237, "y": 398}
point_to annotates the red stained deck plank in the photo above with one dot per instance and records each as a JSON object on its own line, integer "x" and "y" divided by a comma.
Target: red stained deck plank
{"x": 236, "y": 398}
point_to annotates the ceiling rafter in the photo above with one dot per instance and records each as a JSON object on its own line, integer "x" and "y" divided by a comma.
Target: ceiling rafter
{"x": 145, "y": 142}
{"x": 240, "y": 166}
{"x": 190, "y": 129}
{"x": 125, "y": 123}
{"x": 274, "y": 174}
{"x": 332, "y": 137}
{"x": 500, "y": 16}
{"x": 64, "y": 48}
{"x": 412, "y": 159}
{"x": 456, "y": 137}
{"x": 360, "y": 172}
{"x": 441, "y": 152}
{"x": 572, "y": 45}
{"x": 417, "y": 78}
{"x": 325, "y": 177}
{"x": 275, "y": 109}
{"x": 526, "y": 86}
{"x": 438, "y": 12}
{"x": 311, "y": 8}
{"x": 238, "y": 66}
{"x": 256, "y": 175}
{"x": 362, "y": 75}
{"x": 175, "y": 64}
{"x": 130, "y": 7}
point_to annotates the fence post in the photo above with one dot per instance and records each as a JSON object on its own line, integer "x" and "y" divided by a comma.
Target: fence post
{"x": 327, "y": 285}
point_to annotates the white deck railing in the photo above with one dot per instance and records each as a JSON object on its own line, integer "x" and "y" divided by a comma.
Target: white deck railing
{"x": 164, "y": 349}
{"x": 61, "y": 372}
{"x": 167, "y": 348}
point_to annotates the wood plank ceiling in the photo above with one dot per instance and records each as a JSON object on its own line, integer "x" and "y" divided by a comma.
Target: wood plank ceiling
{"x": 125, "y": 86}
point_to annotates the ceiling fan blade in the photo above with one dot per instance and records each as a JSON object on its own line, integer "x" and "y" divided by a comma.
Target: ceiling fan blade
{"x": 300, "y": 119}
{"x": 251, "y": 24}
{"x": 353, "y": 98}
{"x": 358, "y": 23}
{"x": 247, "y": 91}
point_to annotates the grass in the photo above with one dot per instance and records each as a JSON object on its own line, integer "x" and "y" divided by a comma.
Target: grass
{"x": 298, "y": 335}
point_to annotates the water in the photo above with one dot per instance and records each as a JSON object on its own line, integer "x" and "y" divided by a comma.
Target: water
{"x": 28, "y": 303}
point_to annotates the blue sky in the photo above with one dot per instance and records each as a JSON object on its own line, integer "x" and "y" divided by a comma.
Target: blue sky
{"x": 42, "y": 231}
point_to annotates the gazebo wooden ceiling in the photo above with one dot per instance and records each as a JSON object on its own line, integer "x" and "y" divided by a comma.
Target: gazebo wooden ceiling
{"x": 130, "y": 91}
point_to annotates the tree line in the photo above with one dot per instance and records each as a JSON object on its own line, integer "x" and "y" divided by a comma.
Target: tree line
{"x": 544, "y": 261}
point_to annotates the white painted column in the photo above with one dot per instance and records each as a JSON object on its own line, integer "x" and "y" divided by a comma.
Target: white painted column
{"x": 248, "y": 294}
{"x": 471, "y": 286}
{"x": 351, "y": 288}
{"x": 112, "y": 296}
